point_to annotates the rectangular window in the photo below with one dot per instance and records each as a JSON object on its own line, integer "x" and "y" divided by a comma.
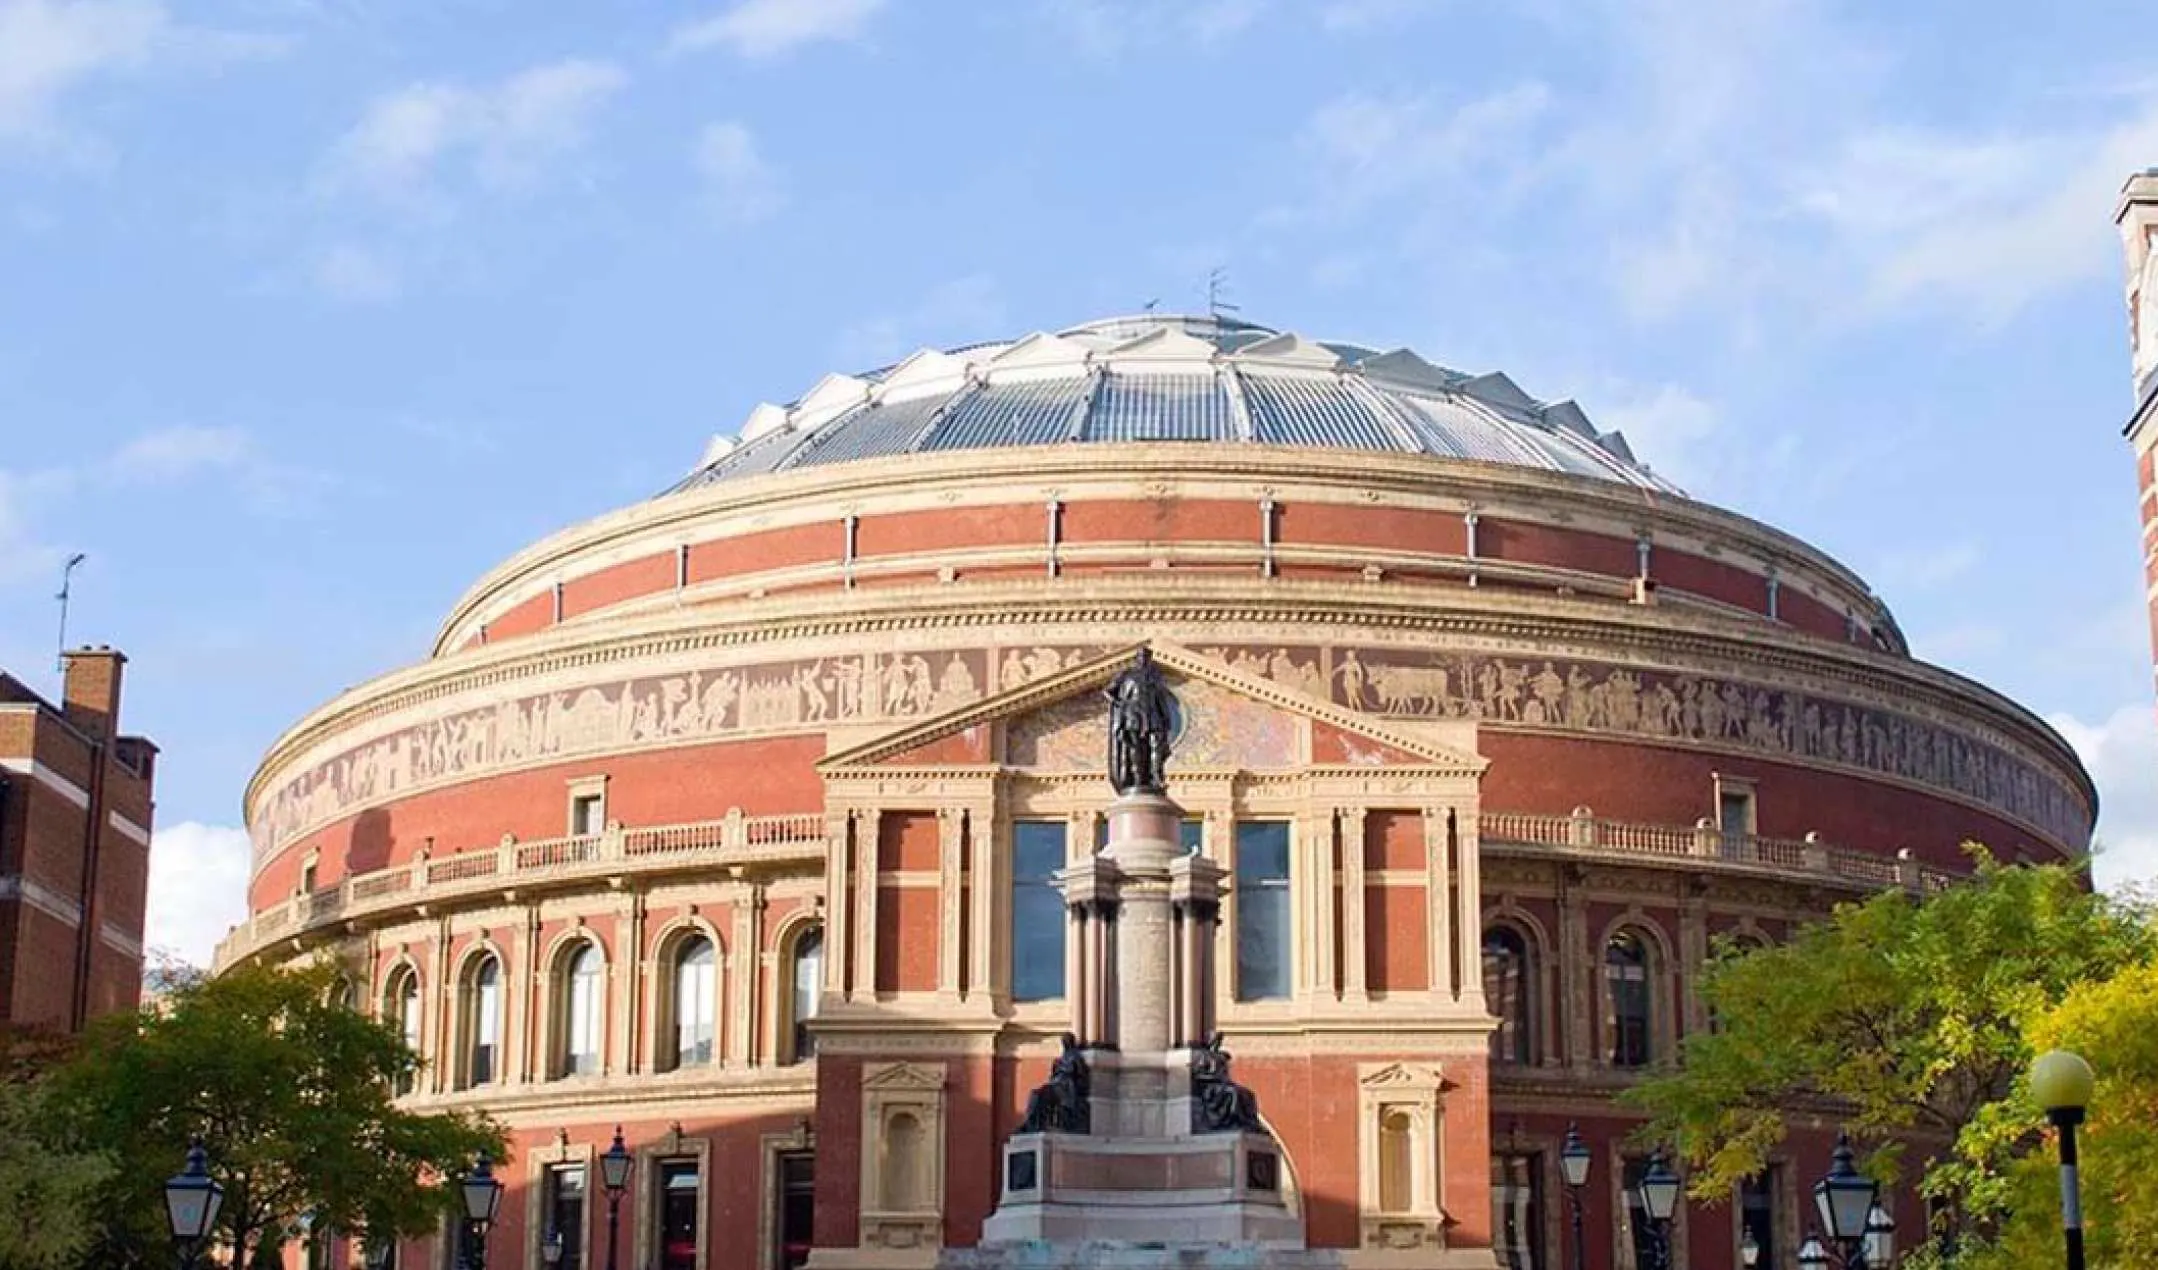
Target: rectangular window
{"x": 1038, "y": 926}
{"x": 1734, "y": 811}
{"x": 307, "y": 878}
{"x": 679, "y": 1201}
{"x": 1757, "y": 1217}
{"x": 587, "y": 814}
{"x": 796, "y": 1219}
{"x": 565, "y": 1213}
{"x": 1262, "y": 910}
{"x": 1517, "y": 1216}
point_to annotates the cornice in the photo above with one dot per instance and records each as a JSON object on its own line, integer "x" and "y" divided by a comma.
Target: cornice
{"x": 1011, "y": 474}
{"x": 1137, "y": 600}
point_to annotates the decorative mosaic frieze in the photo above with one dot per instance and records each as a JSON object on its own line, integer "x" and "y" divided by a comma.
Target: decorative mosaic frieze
{"x": 1573, "y": 696}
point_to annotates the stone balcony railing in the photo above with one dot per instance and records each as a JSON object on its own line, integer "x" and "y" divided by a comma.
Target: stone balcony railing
{"x": 1705, "y": 843}
{"x": 733, "y": 839}
{"x": 799, "y": 839}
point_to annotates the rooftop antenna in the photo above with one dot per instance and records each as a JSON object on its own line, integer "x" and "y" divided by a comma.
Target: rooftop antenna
{"x": 67, "y": 574}
{"x": 1152, "y": 304}
{"x": 1217, "y": 290}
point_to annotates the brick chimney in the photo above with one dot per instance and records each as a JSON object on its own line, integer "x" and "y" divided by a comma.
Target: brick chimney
{"x": 91, "y": 695}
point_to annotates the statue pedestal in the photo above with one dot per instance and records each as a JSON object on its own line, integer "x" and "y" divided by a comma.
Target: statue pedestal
{"x": 1145, "y": 1187}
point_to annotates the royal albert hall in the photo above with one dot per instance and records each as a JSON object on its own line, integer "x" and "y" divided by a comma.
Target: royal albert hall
{"x": 732, "y": 817}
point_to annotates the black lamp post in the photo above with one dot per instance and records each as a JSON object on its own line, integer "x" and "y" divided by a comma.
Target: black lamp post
{"x": 2062, "y": 1083}
{"x": 614, "y": 1174}
{"x": 1658, "y": 1193}
{"x": 483, "y": 1195}
{"x": 1845, "y": 1199}
{"x": 1574, "y": 1169}
{"x": 192, "y": 1198}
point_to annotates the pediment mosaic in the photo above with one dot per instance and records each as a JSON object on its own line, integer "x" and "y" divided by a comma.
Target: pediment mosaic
{"x": 1214, "y": 729}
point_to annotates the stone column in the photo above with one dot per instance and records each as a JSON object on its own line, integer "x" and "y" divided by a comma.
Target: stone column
{"x": 951, "y": 826}
{"x": 627, "y": 969}
{"x": 1439, "y": 902}
{"x": 440, "y": 1076}
{"x": 1355, "y": 922}
{"x": 1142, "y": 846}
{"x": 1468, "y": 862}
{"x": 1576, "y": 964}
{"x": 838, "y": 832}
{"x": 868, "y": 836}
{"x": 986, "y": 885}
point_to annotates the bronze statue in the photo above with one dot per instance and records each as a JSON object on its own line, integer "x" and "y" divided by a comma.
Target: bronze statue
{"x": 1060, "y": 1105}
{"x": 1140, "y": 720}
{"x": 1217, "y": 1102}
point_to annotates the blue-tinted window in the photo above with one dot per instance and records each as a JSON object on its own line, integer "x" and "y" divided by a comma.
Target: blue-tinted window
{"x": 1037, "y": 910}
{"x": 1262, "y": 910}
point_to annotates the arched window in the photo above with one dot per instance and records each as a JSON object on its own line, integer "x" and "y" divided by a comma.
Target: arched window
{"x": 583, "y": 1012}
{"x": 1510, "y": 993}
{"x": 483, "y": 1021}
{"x": 401, "y": 1009}
{"x": 1628, "y": 1009}
{"x": 696, "y": 1002}
{"x": 808, "y": 965}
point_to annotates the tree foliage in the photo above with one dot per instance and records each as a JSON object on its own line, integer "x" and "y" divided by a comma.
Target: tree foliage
{"x": 1898, "y": 1017}
{"x": 290, "y": 1093}
{"x": 49, "y": 1184}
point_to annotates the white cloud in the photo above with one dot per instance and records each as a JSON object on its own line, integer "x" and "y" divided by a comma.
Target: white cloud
{"x": 2121, "y": 752}
{"x": 1360, "y": 15}
{"x": 506, "y": 135}
{"x": 177, "y": 453}
{"x": 356, "y": 275}
{"x": 740, "y": 187}
{"x": 198, "y": 888}
{"x": 1369, "y": 147}
{"x": 954, "y": 312}
{"x": 1670, "y": 429}
{"x": 50, "y": 49}
{"x": 768, "y": 28}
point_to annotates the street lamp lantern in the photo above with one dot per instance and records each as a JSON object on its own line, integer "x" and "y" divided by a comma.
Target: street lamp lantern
{"x": 2062, "y": 1083}
{"x": 614, "y": 1165}
{"x": 1574, "y": 1158}
{"x": 1880, "y": 1237}
{"x": 379, "y": 1251}
{"x": 1845, "y": 1196}
{"x": 551, "y": 1248}
{"x": 192, "y": 1198}
{"x": 483, "y": 1194}
{"x": 1658, "y": 1189}
{"x": 1811, "y": 1255}
{"x": 1749, "y": 1251}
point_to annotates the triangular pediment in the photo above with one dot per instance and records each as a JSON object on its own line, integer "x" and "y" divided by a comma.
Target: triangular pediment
{"x": 1229, "y": 719}
{"x": 903, "y": 1076}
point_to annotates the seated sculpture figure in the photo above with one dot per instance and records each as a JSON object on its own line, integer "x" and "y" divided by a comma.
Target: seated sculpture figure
{"x": 1217, "y": 1102}
{"x": 1060, "y": 1105}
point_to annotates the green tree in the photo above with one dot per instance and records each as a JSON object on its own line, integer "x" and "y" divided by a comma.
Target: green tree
{"x": 1899, "y": 1017}
{"x": 289, "y": 1092}
{"x": 48, "y": 1186}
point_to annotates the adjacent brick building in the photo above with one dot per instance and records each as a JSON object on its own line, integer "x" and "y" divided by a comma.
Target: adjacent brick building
{"x": 75, "y": 815}
{"x": 731, "y": 817}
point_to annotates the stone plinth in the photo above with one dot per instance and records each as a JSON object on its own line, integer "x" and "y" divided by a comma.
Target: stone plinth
{"x": 1197, "y": 1189}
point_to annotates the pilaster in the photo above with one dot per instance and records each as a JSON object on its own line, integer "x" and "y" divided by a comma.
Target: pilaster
{"x": 951, "y": 830}
{"x": 838, "y": 833}
{"x": 1469, "y": 920}
{"x": 868, "y": 840}
{"x": 984, "y": 882}
{"x": 1438, "y": 901}
{"x": 522, "y": 984}
{"x": 626, "y": 968}
{"x": 1349, "y": 827}
{"x": 743, "y": 958}
{"x": 1575, "y": 1017}
{"x": 437, "y": 1077}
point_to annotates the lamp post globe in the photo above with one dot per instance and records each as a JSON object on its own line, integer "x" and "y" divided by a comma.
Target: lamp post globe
{"x": 2062, "y": 1083}
{"x": 614, "y": 1164}
{"x": 1657, "y": 1193}
{"x": 1811, "y": 1255}
{"x": 1880, "y": 1238}
{"x": 1845, "y": 1197}
{"x": 483, "y": 1197}
{"x": 192, "y": 1198}
{"x": 1574, "y": 1160}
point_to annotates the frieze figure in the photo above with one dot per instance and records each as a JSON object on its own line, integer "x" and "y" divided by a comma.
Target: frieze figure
{"x": 1218, "y": 1103}
{"x": 1141, "y": 714}
{"x": 1060, "y": 1104}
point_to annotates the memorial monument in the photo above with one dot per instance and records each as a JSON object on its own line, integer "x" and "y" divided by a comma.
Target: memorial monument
{"x": 1141, "y": 1149}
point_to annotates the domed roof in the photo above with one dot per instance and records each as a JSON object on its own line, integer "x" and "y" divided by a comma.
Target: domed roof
{"x": 1169, "y": 379}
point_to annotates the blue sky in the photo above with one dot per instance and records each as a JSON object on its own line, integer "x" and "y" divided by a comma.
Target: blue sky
{"x": 312, "y": 310}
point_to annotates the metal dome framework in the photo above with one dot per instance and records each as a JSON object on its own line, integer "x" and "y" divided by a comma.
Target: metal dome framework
{"x": 1171, "y": 379}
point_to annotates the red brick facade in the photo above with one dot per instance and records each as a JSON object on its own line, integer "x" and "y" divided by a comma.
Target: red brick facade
{"x": 75, "y": 821}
